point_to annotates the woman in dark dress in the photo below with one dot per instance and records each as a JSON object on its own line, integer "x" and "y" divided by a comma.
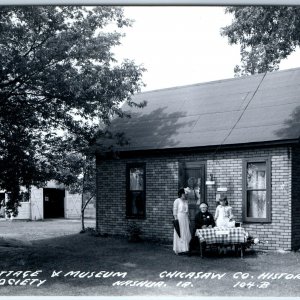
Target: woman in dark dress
{"x": 203, "y": 218}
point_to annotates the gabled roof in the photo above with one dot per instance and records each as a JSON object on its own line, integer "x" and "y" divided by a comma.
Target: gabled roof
{"x": 252, "y": 109}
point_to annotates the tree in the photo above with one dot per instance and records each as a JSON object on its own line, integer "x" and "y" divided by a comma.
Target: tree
{"x": 266, "y": 34}
{"x": 88, "y": 186}
{"x": 59, "y": 85}
{"x": 79, "y": 174}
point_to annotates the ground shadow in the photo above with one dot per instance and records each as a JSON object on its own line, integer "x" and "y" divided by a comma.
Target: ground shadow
{"x": 77, "y": 258}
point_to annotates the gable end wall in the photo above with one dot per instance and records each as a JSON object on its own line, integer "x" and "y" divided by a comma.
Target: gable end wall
{"x": 296, "y": 198}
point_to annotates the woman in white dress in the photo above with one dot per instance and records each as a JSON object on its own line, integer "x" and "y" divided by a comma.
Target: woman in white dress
{"x": 180, "y": 212}
{"x": 223, "y": 215}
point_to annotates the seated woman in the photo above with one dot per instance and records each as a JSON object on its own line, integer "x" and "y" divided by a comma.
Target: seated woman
{"x": 223, "y": 215}
{"x": 203, "y": 218}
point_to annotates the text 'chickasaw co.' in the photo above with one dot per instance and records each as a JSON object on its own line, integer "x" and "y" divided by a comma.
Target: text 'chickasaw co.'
{"x": 191, "y": 275}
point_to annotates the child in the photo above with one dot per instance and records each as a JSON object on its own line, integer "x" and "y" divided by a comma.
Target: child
{"x": 223, "y": 215}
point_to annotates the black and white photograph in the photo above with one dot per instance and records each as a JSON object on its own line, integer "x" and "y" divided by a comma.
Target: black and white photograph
{"x": 149, "y": 150}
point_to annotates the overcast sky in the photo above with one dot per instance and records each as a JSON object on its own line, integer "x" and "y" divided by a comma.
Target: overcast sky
{"x": 182, "y": 45}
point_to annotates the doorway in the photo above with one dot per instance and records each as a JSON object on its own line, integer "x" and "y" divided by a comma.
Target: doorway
{"x": 54, "y": 203}
{"x": 193, "y": 177}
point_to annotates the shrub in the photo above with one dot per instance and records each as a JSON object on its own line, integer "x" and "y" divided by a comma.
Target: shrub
{"x": 134, "y": 232}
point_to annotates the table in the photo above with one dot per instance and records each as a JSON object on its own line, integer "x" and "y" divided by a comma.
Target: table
{"x": 222, "y": 236}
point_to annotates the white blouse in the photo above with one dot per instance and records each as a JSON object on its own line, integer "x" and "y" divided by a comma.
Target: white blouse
{"x": 180, "y": 206}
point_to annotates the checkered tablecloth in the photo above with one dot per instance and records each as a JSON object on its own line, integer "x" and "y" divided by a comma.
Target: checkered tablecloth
{"x": 219, "y": 235}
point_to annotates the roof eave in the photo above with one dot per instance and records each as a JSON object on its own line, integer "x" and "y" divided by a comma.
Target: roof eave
{"x": 210, "y": 148}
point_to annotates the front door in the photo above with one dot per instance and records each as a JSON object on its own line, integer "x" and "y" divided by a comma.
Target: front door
{"x": 54, "y": 203}
{"x": 193, "y": 179}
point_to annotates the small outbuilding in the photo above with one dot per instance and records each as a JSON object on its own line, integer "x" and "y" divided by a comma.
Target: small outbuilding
{"x": 238, "y": 137}
{"x": 53, "y": 201}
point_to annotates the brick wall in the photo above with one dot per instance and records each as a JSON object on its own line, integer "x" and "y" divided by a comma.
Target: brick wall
{"x": 162, "y": 185}
{"x": 296, "y": 197}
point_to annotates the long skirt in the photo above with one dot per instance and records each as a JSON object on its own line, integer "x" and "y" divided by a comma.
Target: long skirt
{"x": 181, "y": 244}
{"x": 222, "y": 222}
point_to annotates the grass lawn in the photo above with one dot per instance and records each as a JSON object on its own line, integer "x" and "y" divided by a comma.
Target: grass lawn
{"x": 112, "y": 266}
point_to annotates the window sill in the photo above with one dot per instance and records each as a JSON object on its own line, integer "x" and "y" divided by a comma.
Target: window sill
{"x": 257, "y": 222}
{"x": 136, "y": 217}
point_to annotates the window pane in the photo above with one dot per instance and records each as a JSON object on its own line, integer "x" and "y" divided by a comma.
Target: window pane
{"x": 137, "y": 203}
{"x": 193, "y": 185}
{"x": 256, "y": 204}
{"x": 2, "y": 203}
{"x": 136, "y": 179}
{"x": 2, "y": 197}
{"x": 25, "y": 196}
{"x": 135, "y": 191}
{"x": 256, "y": 175}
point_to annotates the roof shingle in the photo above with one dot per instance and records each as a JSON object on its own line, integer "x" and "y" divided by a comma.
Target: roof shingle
{"x": 259, "y": 108}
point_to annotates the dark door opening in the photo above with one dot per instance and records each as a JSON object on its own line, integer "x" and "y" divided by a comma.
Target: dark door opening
{"x": 192, "y": 176}
{"x": 53, "y": 203}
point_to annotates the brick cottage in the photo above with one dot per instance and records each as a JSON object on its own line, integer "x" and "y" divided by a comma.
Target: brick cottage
{"x": 237, "y": 137}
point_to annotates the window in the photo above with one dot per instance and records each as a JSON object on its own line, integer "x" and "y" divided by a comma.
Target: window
{"x": 2, "y": 203}
{"x": 25, "y": 196}
{"x": 2, "y": 198}
{"x": 256, "y": 202}
{"x": 136, "y": 190}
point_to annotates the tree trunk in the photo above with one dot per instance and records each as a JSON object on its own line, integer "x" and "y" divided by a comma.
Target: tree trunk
{"x": 82, "y": 201}
{"x": 82, "y": 212}
{"x": 83, "y": 207}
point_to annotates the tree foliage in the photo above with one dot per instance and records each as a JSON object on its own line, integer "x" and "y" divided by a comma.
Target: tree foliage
{"x": 59, "y": 82}
{"x": 266, "y": 34}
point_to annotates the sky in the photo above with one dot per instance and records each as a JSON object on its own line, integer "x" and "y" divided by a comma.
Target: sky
{"x": 182, "y": 45}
